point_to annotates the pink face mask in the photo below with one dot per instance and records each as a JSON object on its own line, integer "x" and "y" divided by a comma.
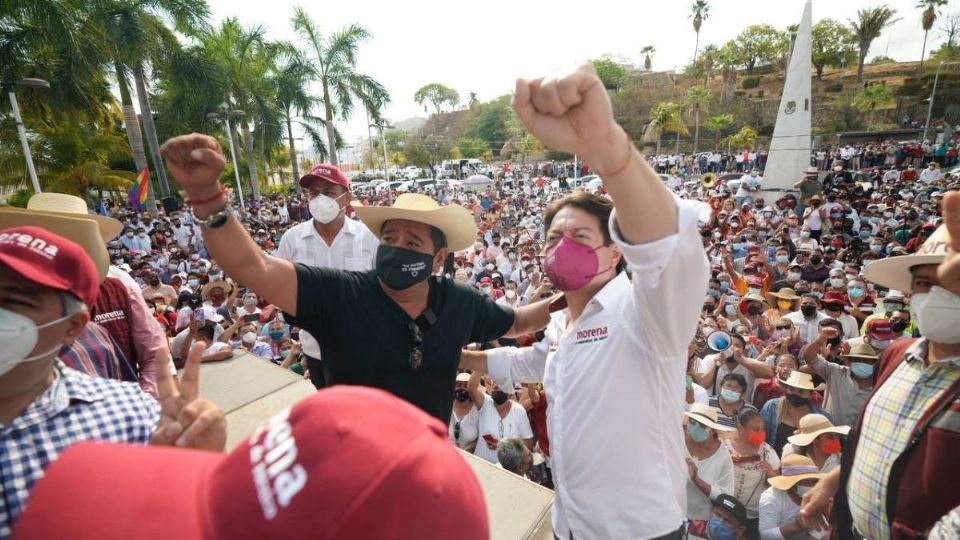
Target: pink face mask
{"x": 571, "y": 265}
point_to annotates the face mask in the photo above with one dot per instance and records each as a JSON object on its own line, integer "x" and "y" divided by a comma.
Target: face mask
{"x": 836, "y": 283}
{"x": 400, "y": 268}
{"x": 724, "y": 286}
{"x": 512, "y": 256}
{"x": 864, "y": 234}
{"x": 249, "y": 338}
{"x": 796, "y": 400}
{"x": 195, "y": 257}
{"x": 324, "y": 209}
{"x": 855, "y": 292}
{"x": 879, "y": 344}
{"x": 808, "y": 311}
{"x": 718, "y": 529}
{"x": 756, "y": 438}
{"x": 697, "y": 432}
{"x": 898, "y": 326}
{"x": 738, "y": 246}
{"x": 804, "y": 234}
{"x": 734, "y": 225}
{"x": 793, "y": 276}
{"x": 499, "y": 397}
{"x": 754, "y": 310}
{"x": 510, "y": 294}
{"x": 890, "y": 307}
{"x": 861, "y": 370}
{"x": 489, "y": 268}
{"x": 831, "y": 446}
{"x": 713, "y": 293}
{"x": 276, "y": 334}
{"x": 876, "y": 248}
{"x": 730, "y": 309}
{"x": 571, "y": 265}
{"x": 802, "y": 490}
{"x": 193, "y": 282}
{"x": 937, "y": 314}
{"x": 461, "y": 395}
{"x": 784, "y": 305}
{"x": 154, "y": 282}
{"x": 129, "y": 235}
{"x": 18, "y": 336}
{"x": 216, "y": 277}
{"x": 783, "y": 259}
{"x": 730, "y": 396}
{"x": 816, "y": 260}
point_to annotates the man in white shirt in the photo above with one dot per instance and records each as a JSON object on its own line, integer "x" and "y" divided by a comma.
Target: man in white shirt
{"x": 616, "y": 358}
{"x": 329, "y": 240}
{"x": 931, "y": 174}
{"x": 181, "y": 233}
{"x": 749, "y": 185}
{"x": 807, "y": 320}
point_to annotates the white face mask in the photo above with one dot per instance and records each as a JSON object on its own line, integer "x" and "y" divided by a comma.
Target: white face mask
{"x": 510, "y": 294}
{"x": 793, "y": 276}
{"x": 249, "y": 338}
{"x": 325, "y": 209}
{"x": 937, "y": 314}
{"x": 18, "y": 336}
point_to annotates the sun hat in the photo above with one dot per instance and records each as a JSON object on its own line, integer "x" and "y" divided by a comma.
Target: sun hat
{"x": 324, "y": 171}
{"x": 862, "y": 350}
{"x": 707, "y": 416}
{"x": 795, "y": 468}
{"x": 894, "y": 272}
{"x": 344, "y": 463}
{"x": 797, "y": 379}
{"x": 812, "y": 426}
{"x": 812, "y": 170}
{"x": 50, "y": 261}
{"x": 786, "y": 293}
{"x": 73, "y": 206}
{"x": 455, "y": 221}
{"x": 209, "y": 287}
{"x": 745, "y": 301}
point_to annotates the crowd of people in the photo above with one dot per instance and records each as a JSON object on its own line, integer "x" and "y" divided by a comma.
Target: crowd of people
{"x": 542, "y": 334}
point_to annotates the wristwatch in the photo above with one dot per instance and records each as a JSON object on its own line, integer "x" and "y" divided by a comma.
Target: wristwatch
{"x": 218, "y": 219}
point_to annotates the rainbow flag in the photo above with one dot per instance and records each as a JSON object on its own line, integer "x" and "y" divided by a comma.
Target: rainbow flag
{"x": 138, "y": 191}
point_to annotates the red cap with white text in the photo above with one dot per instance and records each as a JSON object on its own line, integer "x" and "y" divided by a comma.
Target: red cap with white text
{"x": 325, "y": 171}
{"x": 345, "y": 463}
{"x": 51, "y": 261}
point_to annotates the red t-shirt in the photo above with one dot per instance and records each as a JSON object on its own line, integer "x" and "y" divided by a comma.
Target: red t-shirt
{"x": 538, "y": 421}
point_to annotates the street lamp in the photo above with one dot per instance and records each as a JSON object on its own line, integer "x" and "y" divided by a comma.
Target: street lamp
{"x": 933, "y": 94}
{"x": 225, "y": 115}
{"x": 8, "y": 87}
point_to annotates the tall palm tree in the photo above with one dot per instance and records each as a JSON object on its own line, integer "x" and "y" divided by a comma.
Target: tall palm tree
{"x": 291, "y": 81}
{"x": 665, "y": 117}
{"x": 709, "y": 60}
{"x": 718, "y": 123}
{"x": 646, "y": 52}
{"x": 699, "y": 12}
{"x": 870, "y": 22}
{"x": 927, "y": 19}
{"x": 697, "y": 96}
{"x": 335, "y": 68}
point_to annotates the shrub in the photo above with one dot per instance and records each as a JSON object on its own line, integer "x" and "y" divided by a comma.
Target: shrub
{"x": 751, "y": 81}
{"x": 834, "y": 88}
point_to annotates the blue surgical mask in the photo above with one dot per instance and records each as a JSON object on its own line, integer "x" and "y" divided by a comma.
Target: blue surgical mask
{"x": 698, "y": 432}
{"x": 724, "y": 286}
{"x": 876, "y": 248}
{"x": 861, "y": 370}
{"x": 718, "y": 529}
{"x": 276, "y": 334}
{"x": 713, "y": 293}
{"x": 805, "y": 234}
{"x": 864, "y": 234}
{"x": 730, "y": 310}
{"x": 730, "y": 396}
{"x": 738, "y": 246}
{"x": 855, "y": 292}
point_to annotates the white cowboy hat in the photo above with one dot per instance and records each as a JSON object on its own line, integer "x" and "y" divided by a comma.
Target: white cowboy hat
{"x": 894, "y": 272}
{"x": 225, "y": 285}
{"x": 455, "y": 221}
{"x": 797, "y": 379}
{"x": 707, "y": 416}
{"x": 73, "y": 206}
{"x": 795, "y": 468}
{"x": 812, "y": 426}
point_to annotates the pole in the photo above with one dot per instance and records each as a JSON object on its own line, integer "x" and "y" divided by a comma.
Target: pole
{"x": 386, "y": 171}
{"x": 933, "y": 94}
{"x": 22, "y": 131}
{"x": 233, "y": 157}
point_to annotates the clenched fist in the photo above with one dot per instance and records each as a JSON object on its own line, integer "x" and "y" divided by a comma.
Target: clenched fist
{"x": 196, "y": 162}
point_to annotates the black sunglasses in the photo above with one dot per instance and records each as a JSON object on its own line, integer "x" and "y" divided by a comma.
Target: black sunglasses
{"x": 416, "y": 353}
{"x": 783, "y": 328}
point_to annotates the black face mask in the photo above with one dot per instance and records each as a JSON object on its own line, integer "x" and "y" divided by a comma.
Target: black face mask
{"x": 797, "y": 401}
{"x": 499, "y": 397}
{"x": 754, "y": 310}
{"x": 816, "y": 260}
{"x": 154, "y": 282}
{"x": 461, "y": 395}
{"x": 401, "y": 268}
{"x": 808, "y": 311}
{"x": 898, "y": 326}
{"x": 833, "y": 342}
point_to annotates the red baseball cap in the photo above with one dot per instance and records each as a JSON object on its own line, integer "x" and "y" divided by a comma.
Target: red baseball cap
{"x": 345, "y": 463}
{"x": 49, "y": 260}
{"x": 485, "y": 281}
{"x": 325, "y": 171}
{"x": 880, "y": 329}
{"x": 835, "y": 297}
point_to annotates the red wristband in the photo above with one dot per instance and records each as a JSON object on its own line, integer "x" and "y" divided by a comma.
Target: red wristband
{"x": 221, "y": 193}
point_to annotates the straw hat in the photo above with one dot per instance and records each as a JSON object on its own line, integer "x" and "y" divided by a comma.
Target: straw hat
{"x": 225, "y": 285}
{"x": 786, "y": 293}
{"x": 797, "y": 379}
{"x": 707, "y": 416}
{"x": 894, "y": 272}
{"x": 795, "y": 468}
{"x": 862, "y": 350}
{"x": 812, "y": 170}
{"x": 745, "y": 301}
{"x": 455, "y": 221}
{"x": 81, "y": 230}
{"x": 812, "y": 426}
{"x": 72, "y": 206}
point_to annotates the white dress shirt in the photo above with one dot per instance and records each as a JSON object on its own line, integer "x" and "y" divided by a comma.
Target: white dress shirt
{"x": 354, "y": 248}
{"x": 616, "y": 380}
{"x": 807, "y": 329}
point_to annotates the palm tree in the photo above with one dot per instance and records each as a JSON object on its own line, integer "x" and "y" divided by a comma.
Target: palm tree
{"x": 646, "y": 52}
{"x": 929, "y": 16}
{"x": 335, "y": 68}
{"x": 665, "y": 117}
{"x": 293, "y": 99}
{"x": 698, "y": 12}
{"x": 698, "y": 97}
{"x": 709, "y": 60}
{"x": 718, "y": 123}
{"x": 745, "y": 138}
{"x": 870, "y": 22}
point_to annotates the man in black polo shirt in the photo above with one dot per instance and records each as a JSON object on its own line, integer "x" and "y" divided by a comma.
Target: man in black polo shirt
{"x": 395, "y": 327}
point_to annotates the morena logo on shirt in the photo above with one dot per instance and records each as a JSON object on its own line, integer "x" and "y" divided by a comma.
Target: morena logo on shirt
{"x": 591, "y": 335}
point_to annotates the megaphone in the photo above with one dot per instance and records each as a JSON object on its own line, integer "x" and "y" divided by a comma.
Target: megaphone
{"x": 719, "y": 341}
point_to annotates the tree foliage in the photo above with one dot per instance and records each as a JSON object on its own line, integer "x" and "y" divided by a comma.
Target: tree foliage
{"x": 611, "y": 73}
{"x": 758, "y": 44}
{"x": 745, "y": 138}
{"x": 834, "y": 44}
{"x": 437, "y": 95}
{"x": 867, "y": 27}
{"x": 873, "y": 97}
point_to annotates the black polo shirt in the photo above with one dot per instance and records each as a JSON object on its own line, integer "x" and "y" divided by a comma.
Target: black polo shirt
{"x": 365, "y": 337}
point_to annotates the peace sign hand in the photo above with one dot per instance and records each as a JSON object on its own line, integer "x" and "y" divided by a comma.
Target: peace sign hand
{"x": 185, "y": 419}
{"x": 948, "y": 273}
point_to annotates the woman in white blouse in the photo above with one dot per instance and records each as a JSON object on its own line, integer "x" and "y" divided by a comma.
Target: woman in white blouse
{"x": 708, "y": 464}
{"x": 780, "y": 503}
{"x": 464, "y": 428}
{"x": 754, "y": 461}
{"x": 817, "y": 438}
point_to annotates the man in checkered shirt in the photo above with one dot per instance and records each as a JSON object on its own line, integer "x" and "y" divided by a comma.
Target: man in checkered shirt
{"x": 46, "y": 284}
